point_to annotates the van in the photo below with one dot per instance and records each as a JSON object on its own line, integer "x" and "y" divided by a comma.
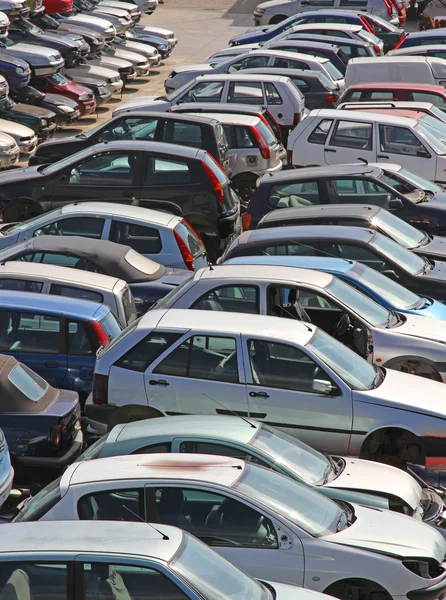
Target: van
{"x": 419, "y": 69}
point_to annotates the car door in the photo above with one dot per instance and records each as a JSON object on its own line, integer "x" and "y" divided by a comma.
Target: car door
{"x": 313, "y": 152}
{"x": 401, "y": 145}
{"x": 113, "y": 176}
{"x": 280, "y": 381}
{"x": 130, "y": 128}
{"x": 199, "y": 374}
{"x": 85, "y": 226}
{"x": 350, "y": 141}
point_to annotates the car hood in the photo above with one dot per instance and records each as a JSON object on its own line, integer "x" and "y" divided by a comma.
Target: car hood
{"x": 368, "y": 476}
{"x": 112, "y": 62}
{"x": 420, "y": 395}
{"x": 438, "y": 272}
{"x": 126, "y": 55}
{"x": 16, "y": 129}
{"x": 30, "y": 50}
{"x": 85, "y": 19}
{"x": 29, "y": 109}
{"x": 438, "y": 201}
{"x": 55, "y": 38}
{"x": 109, "y": 10}
{"x": 142, "y": 101}
{"x": 13, "y": 60}
{"x": 18, "y": 175}
{"x": 421, "y": 327}
{"x": 58, "y": 100}
{"x": 269, "y": 4}
{"x": 134, "y": 46}
{"x": 248, "y": 37}
{"x": 93, "y": 70}
{"x": 155, "y": 30}
{"x": 81, "y": 31}
{"x": 436, "y": 246}
{"x": 74, "y": 88}
{"x": 391, "y": 533}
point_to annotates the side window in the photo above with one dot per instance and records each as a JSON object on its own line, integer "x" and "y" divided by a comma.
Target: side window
{"x": 183, "y": 133}
{"x": 220, "y": 450}
{"x": 282, "y": 366}
{"x": 80, "y": 340}
{"x": 230, "y": 136}
{"x": 251, "y": 62}
{"x": 72, "y": 292}
{"x": 113, "y": 505}
{"x": 130, "y": 128}
{"x": 29, "y": 332}
{"x": 359, "y": 253}
{"x": 243, "y": 138}
{"x": 202, "y": 357}
{"x": 105, "y": 169}
{"x": 435, "y": 99}
{"x": 320, "y": 133}
{"x": 245, "y": 92}
{"x": 294, "y": 195}
{"x": 221, "y": 521}
{"x": 146, "y": 351}
{"x": 272, "y": 95}
{"x": 38, "y": 581}
{"x": 290, "y": 249}
{"x": 125, "y": 582}
{"x": 348, "y": 134}
{"x": 360, "y": 51}
{"x": 346, "y": 191}
{"x": 143, "y": 239}
{"x": 400, "y": 140}
{"x": 21, "y": 285}
{"x": 205, "y": 92}
{"x": 154, "y": 449}
{"x": 286, "y": 63}
{"x": 83, "y": 226}
{"x": 240, "y": 298}
{"x": 167, "y": 171}
{"x": 301, "y": 84}
{"x": 66, "y": 260}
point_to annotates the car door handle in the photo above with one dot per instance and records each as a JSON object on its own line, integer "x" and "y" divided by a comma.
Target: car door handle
{"x": 162, "y": 382}
{"x": 259, "y": 395}
{"x": 51, "y": 364}
{"x": 382, "y": 156}
{"x": 329, "y": 150}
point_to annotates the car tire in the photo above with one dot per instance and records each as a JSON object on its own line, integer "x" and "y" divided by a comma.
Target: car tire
{"x": 358, "y": 589}
{"x": 21, "y": 210}
{"x": 393, "y": 446}
{"x": 277, "y": 19}
{"x": 132, "y": 412}
{"x": 415, "y": 367}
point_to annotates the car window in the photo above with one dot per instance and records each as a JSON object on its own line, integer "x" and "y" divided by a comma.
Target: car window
{"x": 37, "y": 580}
{"x": 217, "y": 519}
{"x": 167, "y": 171}
{"x": 435, "y": 99}
{"x": 80, "y": 339}
{"x": 301, "y": 84}
{"x": 143, "y": 239}
{"x": 162, "y": 448}
{"x": 347, "y": 191}
{"x": 282, "y": 366}
{"x": 251, "y": 62}
{"x": 202, "y": 357}
{"x": 272, "y": 95}
{"x": 37, "y": 506}
{"x": 285, "y": 249}
{"x": 399, "y": 140}
{"x": 287, "y": 63}
{"x": 294, "y": 195}
{"x": 125, "y": 504}
{"x": 28, "y": 382}
{"x": 20, "y": 285}
{"x": 349, "y": 134}
{"x": 243, "y": 138}
{"x": 245, "y": 92}
{"x": 146, "y": 351}
{"x": 359, "y": 253}
{"x": 109, "y": 168}
{"x": 29, "y": 332}
{"x": 320, "y": 133}
{"x": 205, "y": 92}
{"x": 84, "y": 226}
{"x": 130, "y": 128}
{"x": 233, "y": 298}
{"x": 62, "y": 260}
{"x": 221, "y": 450}
{"x": 76, "y": 292}
{"x": 183, "y": 133}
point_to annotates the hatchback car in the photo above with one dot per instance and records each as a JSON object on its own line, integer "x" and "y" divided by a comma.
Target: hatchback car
{"x": 352, "y": 48}
{"x": 395, "y": 90}
{"x": 331, "y": 51}
{"x": 60, "y": 84}
{"x": 435, "y": 50}
{"x": 421, "y": 38}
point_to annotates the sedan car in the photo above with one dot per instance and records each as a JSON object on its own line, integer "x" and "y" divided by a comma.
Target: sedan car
{"x": 16, "y": 71}
{"x": 264, "y": 522}
{"x": 66, "y": 110}
{"x": 24, "y": 136}
{"x": 339, "y": 478}
{"x": 148, "y": 280}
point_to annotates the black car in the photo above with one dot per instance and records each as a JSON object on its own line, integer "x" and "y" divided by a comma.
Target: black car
{"x": 412, "y": 198}
{"x": 187, "y": 130}
{"x": 41, "y": 120}
{"x": 361, "y": 215}
{"x": 351, "y": 48}
{"x": 41, "y": 423}
{"x": 334, "y": 53}
{"x": 367, "y": 246}
{"x": 66, "y": 110}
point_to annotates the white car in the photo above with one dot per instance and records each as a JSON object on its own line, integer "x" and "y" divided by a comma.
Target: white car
{"x": 265, "y": 523}
{"x": 333, "y": 137}
{"x": 285, "y": 373}
{"x": 24, "y": 136}
{"x": 9, "y": 151}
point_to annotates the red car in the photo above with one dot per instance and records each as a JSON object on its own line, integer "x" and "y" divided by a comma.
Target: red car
{"x": 409, "y": 92}
{"x": 58, "y": 6}
{"x": 59, "y": 84}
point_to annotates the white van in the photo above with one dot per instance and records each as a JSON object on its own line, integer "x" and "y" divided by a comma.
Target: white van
{"x": 64, "y": 281}
{"x": 420, "y": 69}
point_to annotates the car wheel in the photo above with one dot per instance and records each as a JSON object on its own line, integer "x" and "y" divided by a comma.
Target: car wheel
{"x": 21, "y": 210}
{"x": 277, "y": 19}
{"x": 415, "y": 367}
{"x": 357, "y": 589}
{"x": 393, "y": 446}
{"x": 132, "y": 412}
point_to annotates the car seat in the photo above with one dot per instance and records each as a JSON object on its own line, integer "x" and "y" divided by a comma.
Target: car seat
{"x": 171, "y": 509}
{"x": 226, "y": 370}
{"x": 211, "y": 304}
{"x": 294, "y": 309}
{"x": 17, "y": 587}
{"x": 236, "y": 521}
{"x": 259, "y": 362}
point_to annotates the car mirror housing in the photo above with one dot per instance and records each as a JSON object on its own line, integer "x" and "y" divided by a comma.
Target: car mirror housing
{"x": 322, "y": 386}
{"x": 395, "y": 204}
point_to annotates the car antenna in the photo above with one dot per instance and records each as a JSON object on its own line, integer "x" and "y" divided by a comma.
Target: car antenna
{"x": 163, "y": 535}
{"x": 231, "y": 411}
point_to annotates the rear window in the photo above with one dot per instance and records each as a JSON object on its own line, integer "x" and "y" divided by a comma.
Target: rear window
{"x": 72, "y": 292}
{"x": 368, "y": 37}
{"x": 129, "y": 306}
{"x": 28, "y": 382}
{"x": 110, "y": 326}
{"x": 123, "y": 334}
{"x": 190, "y": 238}
{"x": 37, "y": 506}
{"x": 266, "y": 132}
{"x": 332, "y": 70}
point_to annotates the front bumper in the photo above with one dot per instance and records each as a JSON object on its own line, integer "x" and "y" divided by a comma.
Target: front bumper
{"x": 58, "y": 462}
{"x": 88, "y": 107}
{"x": 68, "y": 118}
{"x": 115, "y": 87}
{"x": 128, "y": 76}
{"x": 28, "y": 148}
{"x": 154, "y": 61}
{"x": 433, "y": 592}
{"x": 103, "y": 98}
{"x": 142, "y": 71}
{"x": 47, "y": 132}
{"x": 260, "y": 19}
{"x": 8, "y": 160}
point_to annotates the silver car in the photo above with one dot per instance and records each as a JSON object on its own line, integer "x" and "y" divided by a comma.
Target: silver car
{"x": 110, "y": 77}
{"x": 9, "y": 151}
{"x": 24, "y": 136}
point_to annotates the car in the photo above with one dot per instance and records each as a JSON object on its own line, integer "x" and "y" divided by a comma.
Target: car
{"x": 6, "y": 470}
{"x": 412, "y": 198}
{"x": 14, "y": 9}
{"x": 41, "y": 424}
{"x": 265, "y": 387}
{"x": 78, "y": 19}
{"x": 349, "y": 46}
{"x": 21, "y": 276}
{"x": 140, "y": 559}
{"x": 140, "y": 62}
{"x": 418, "y": 274}
{"x": 66, "y": 110}
{"x": 61, "y": 85}
{"x": 181, "y": 75}
{"x": 435, "y": 50}
{"x": 420, "y": 38}
{"x": 41, "y": 120}
{"x": 199, "y": 132}
{"x": 9, "y": 151}
{"x": 395, "y": 90}
{"x": 361, "y": 215}
{"x": 151, "y": 53}
{"x": 16, "y": 71}
{"x": 147, "y": 279}
{"x": 152, "y": 41}
{"x": 396, "y": 107}
{"x": 161, "y": 236}
{"x": 376, "y": 286}
{"x": 120, "y": 19}
{"x": 125, "y": 68}
{"x": 148, "y": 30}
{"x": 42, "y": 61}
{"x": 339, "y": 478}
{"x": 177, "y": 177}
{"x": 46, "y": 22}
{"x": 24, "y": 136}
{"x": 330, "y": 51}
{"x": 328, "y": 136}
{"x": 84, "y": 73}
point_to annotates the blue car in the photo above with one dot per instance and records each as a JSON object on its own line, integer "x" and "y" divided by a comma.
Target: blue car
{"x": 16, "y": 71}
{"x": 56, "y": 336}
{"x": 263, "y": 34}
{"x": 380, "y": 288}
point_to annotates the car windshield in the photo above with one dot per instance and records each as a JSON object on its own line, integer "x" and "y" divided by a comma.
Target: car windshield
{"x": 399, "y": 230}
{"x": 29, "y": 383}
{"x": 306, "y": 508}
{"x": 36, "y": 506}
{"x": 433, "y": 131}
{"x": 308, "y": 464}
{"x": 332, "y": 70}
{"x": 212, "y": 576}
{"x": 59, "y": 78}
{"x": 392, "y": 292}
{"x": 405, "y": 259}
{"x": 352, "y": 368}
{"x": 386, "y": 25}
{"x": 360, "y": 304}
{"x": 177, "y": 93}
{"x": 94, "y": 450}
{"x": 417, "y": 180}
{"x": 66, "y": 162}
{"x": 34, "y": 222}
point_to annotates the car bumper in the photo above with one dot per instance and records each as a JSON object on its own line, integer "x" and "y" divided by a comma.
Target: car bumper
{"x": 168, "y": 88}
{"x": 436, "y": 590}
{"x": 48, "y": 69}
{"x": 115, "y": 87}
{"x": 155, "y": 60}
{"x": 8, "y": 160}
{"x": 260, "y": 19}
{"x": 142, "y": 71}
{"x": 68, "y": 118}
{"x": 58, "y": 462}
{"x": 87, "y": 108}
{"x": 28, "y": 148}
{"x": 97, "y": 416}
{"x": 47, "y": 132}
{"x": 126, "y": 77}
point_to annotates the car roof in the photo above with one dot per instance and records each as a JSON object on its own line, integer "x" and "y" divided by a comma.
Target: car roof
{"x": 331, "y": 39}
{"x": 141, "y": 145}
{"x": 237, "y": 77}
{"x": 373, "y": 60}
{"x": 397, "y": 85}
{"x": 290, "y": 55}
{"x": 426, "y": 33}
{"x": 271, "y": 234}
{"x": 227, "y": 323}
{"x": 334, "y": 26}
{"x": 217, "y": 107}
{"x": 166, "y": 115}
{"x": 418, "y": 49}
{"x": 154, "y": 217}
{"x": 326, "y": 210}
{"x": 55, "y": 272}
{"x": 213, "y": 426}
{"x": 411, "y": 113}
{"x": 365, "y": 116}
{"x": 234, "y": 119}
{"x": 334, "y": 11}
{"x": 340, "y": 265}
{"x": 301, "y": 73}
{"x": 306, "y": 44}
{"x": 98, "y": 537}
{"x": 61, "y": 305}
{"x": 222, "y": 470}
{"x": 329, "y": 171}
{"x": 389, "y": 105}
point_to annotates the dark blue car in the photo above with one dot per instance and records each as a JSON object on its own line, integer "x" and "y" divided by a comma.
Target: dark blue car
{"x": 422, "y": 38}
{"x": 263, "y": 34}
{"x": 15, "y": 70}
{"x": 56, "y": 336}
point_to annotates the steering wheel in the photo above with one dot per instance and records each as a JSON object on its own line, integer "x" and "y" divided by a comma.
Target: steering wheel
{"x": 128, "y": 131}
{"x": 342, "y": 326}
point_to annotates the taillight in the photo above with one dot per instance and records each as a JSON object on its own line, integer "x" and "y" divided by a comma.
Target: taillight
{"x": 400, "y": 41}
{"x": 184, "y": 250}
{"x": 331, "y": 98}
{"x": 367, "y": 26}
{"x": 262, "y": 118}
{"x": 100, "y": 389}
{"x": 297, "y": 119}
{"x": 99, "y": 334}
{"x": 58, "y": 433}
{"x": 246, "y": 220}
{"x": 194, "y": 231}
{"x": 261, "y": 142}
{"x": 289, "y": 157}
{"x": 216, "y": 185}
{"x": 377, "y": 49}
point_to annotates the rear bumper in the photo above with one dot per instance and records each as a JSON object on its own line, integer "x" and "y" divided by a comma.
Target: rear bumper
{"x": 59, "y": 462}
{"x": 97, "y": 416}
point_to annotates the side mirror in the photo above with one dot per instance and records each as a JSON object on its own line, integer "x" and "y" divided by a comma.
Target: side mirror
{"x": 321, "y": 386}
{"x": 395, "y": 204}
{"x": 423, "y": 154}
{"x": 390, "y": 273}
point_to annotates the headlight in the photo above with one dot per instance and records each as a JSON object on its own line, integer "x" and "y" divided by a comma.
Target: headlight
{"x": 65, "y": 109}
{"x": 83, "y": 97}
{"x": 259, "y": 11}
{"x": 19, "y": 70}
